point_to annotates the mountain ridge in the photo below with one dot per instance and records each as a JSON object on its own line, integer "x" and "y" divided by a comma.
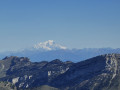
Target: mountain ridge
{"x": 97, "y": 73}
{"x": 64, "y": 55}
{"x": 49, "y": 50}
{"x": 49, "y": 45}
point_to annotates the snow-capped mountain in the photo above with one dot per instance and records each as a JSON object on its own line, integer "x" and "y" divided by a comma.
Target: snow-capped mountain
{"x": 49, "y": 50}
{"x": 49, "y": 45}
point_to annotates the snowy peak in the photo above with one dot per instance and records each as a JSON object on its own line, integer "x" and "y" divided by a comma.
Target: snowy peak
{"x": 49, "y": 45}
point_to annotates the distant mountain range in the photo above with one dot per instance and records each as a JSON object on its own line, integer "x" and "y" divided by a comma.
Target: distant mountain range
{"x": 98, "y": 73}
{"x": 49, "y": 50}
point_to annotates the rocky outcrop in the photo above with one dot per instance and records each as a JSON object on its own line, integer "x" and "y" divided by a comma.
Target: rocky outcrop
{"x": 7, "y": 86}
{"x": 25, "y": 74}
{"x": 98, "y": 73}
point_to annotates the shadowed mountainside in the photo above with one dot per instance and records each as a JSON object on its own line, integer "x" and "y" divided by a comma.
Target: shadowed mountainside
{"x": 98, "y": 73}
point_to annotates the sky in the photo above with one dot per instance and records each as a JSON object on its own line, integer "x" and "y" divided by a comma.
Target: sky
{"x": 72, "y": 23}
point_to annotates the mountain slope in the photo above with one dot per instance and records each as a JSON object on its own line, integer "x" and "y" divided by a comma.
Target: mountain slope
{"x": 7, "y": 86}
{"x": 44, "y": 87}
{"x": 25, "y": 74}
{"x": 98, "y": 73}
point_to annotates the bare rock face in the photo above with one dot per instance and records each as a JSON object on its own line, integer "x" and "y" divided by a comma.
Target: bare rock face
{"x": 7, "y": 86}
{"x": 25, "y": 74}
{"x": 98, "y": 73}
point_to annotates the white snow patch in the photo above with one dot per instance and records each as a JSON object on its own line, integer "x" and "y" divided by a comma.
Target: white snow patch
{"x": 49, "y": 45}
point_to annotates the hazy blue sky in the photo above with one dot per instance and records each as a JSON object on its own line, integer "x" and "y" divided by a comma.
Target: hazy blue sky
{"x": 73, "y": 23}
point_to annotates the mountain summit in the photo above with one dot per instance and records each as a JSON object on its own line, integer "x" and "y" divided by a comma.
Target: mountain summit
{"x": 49, "y": 45}
{"x": 49, "y": 50}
